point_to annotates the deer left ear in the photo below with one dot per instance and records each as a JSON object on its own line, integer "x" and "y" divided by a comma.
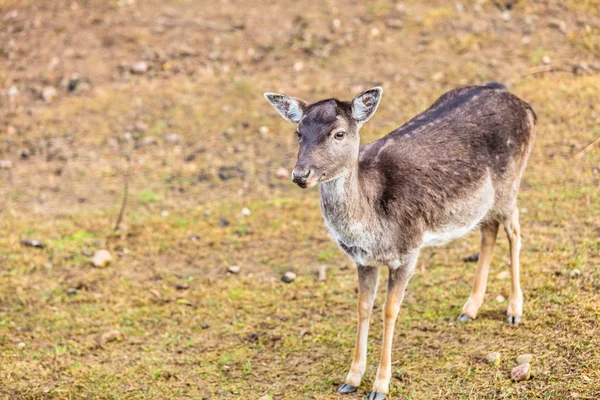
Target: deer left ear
{"x": 365, "y": 104}
{"x": 290, "y": 108}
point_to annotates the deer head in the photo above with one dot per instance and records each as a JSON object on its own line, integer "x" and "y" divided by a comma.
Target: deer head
{"x": 328, "y": 133}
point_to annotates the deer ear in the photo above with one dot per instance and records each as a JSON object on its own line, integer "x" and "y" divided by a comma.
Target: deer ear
{"x": 365, "y": 104}
{"x": 290, "y": 108}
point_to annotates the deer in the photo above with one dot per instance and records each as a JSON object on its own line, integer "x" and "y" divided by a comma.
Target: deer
{"x": 454, "y": 167}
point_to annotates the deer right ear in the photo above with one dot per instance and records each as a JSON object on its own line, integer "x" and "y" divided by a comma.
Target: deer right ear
{"x": 290, "y": 108}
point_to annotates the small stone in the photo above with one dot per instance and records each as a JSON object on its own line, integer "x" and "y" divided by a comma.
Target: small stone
{"x": 32, "y": 243}
{"x": 506, "y": 16}
{"x": 148, "y": 140}
{"x": 336, "y": 24}
{"x": 282, "y": 173}
{"x": 526, "y": 40}
{"x": 266, "y": 397}
{"x": 234, "y": 269}
{"x": 172, "y": 138}
{"x": 101, "y": 258}
{"x": 164, "y": 213}
{"x": 375, "y": 32}
{"x": 298, "y": 66}
{"x": 471, "y": 258}
{"x": 524, "y": 358}
{"x": 546, "y": 60}
{"x": 437, "y": 76}
{"x": 226, "y": 368}
{"x": 48, "y": 265}
{"x": 141, "y": 126}
{"x": 322, "y": 273}
{"x": 109, "y": 336}
{"x": 493, "y": 358}
{"x": 521, "y": 373}
{"x": 503, "y": 275}
{"x": 21, "y": 345}
{"x": 194, "y": 238}
{"x": 5, "y": 164}
{"x": 139, "y": 68}
{"x": 49, "y": 93}
{"x": 245, "y": 212}
{"x": 500, "y": 298}
{"x": 205, "y": 326}
{"x": 182, "y": 286}
{"x": 24, "y": 154}
{"x": 71, "y": 291}
{"x": 394, "y": 23}
{"x": 263, "y": 130}
{"x": 558, "y": 24}
{"x": 586, "y": 378}
{"x": 288, "y": 277}
{"x": 575, "y": 273}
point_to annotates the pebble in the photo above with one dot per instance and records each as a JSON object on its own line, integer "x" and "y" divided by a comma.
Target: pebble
{"x": 336, "y": 24}
{"x": 506, "y": 16}
{"x": 139, "y": 68}
{"x": 5, "y": 164}
{"x": 503, "y": 275}
{"x": 21, "y": 345}
{"x": 394, "y": 23}
{"x": 282, "y": 173}
{"x": 521, "y": 373}
{"x": 500, "y": 298}
{"x": 245, "y": 211}
{"x": 71, "y": 291}
{"x": 493, "y": 358}
{"x": 49, "y": 93}
{"x": 524, "y": 359}
{"x": 264, "y": 130}
{"x": 194, "y": 238}
{"x": 109, "y": 336}
{"x": 234, "y": 269}
{"x": 471, "y": 258}
{"x": 298, "y": 66}
{"x": 575, "y": 273}
{"x": 101, "y": 258}
{"x": 546, "y": 60}
{"x": 288, "y": 277}
{"x": 32, "y": 243}
{"x": 322, "y": 273}
{"x": 172, "y": 138}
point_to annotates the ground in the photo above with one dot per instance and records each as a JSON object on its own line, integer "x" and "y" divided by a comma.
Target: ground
{"x": 165, "y": 319}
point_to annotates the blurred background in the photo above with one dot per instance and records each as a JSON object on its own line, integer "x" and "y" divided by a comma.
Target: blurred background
{"x": 176, "y": 292}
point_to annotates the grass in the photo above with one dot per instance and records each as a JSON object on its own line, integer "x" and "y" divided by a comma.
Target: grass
{"x": 190, "y": 329}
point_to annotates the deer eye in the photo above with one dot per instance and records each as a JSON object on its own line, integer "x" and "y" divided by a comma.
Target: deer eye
{"x": 339, "y": 134}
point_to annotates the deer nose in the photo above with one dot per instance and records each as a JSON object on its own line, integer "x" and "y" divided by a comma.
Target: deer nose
{"x": 300, "y": 177}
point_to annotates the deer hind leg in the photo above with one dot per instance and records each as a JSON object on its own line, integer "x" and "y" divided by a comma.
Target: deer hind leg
{"x": 397, "y": 282}
{"x": 489, "y": 232}
{"x": 515, "y": 302}
{"x": 368, "y": 278}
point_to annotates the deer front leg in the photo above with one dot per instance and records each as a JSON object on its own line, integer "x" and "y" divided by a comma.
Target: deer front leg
{"x": 397, "y": 281}
{"x": 368, "y": 277}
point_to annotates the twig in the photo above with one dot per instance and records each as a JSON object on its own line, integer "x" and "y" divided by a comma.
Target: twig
{"x": 587, "y": 149}
{"x": 125, "y": 191}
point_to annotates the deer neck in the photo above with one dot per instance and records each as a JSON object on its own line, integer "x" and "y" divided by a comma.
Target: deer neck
{"x": 343, "y": 199}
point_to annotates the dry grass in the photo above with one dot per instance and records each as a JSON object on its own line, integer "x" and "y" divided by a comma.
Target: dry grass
{"x": 190, "y": 330}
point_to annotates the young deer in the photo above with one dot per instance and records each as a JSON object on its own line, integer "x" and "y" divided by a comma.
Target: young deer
{"x": 453, "y": 167}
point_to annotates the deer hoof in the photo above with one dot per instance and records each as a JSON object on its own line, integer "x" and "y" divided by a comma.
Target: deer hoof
{"x": 513, "y": 320}
{"x": 377, "y": 396}
{"x": 464, "y": 318}
{"x": 345, "y": 388}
